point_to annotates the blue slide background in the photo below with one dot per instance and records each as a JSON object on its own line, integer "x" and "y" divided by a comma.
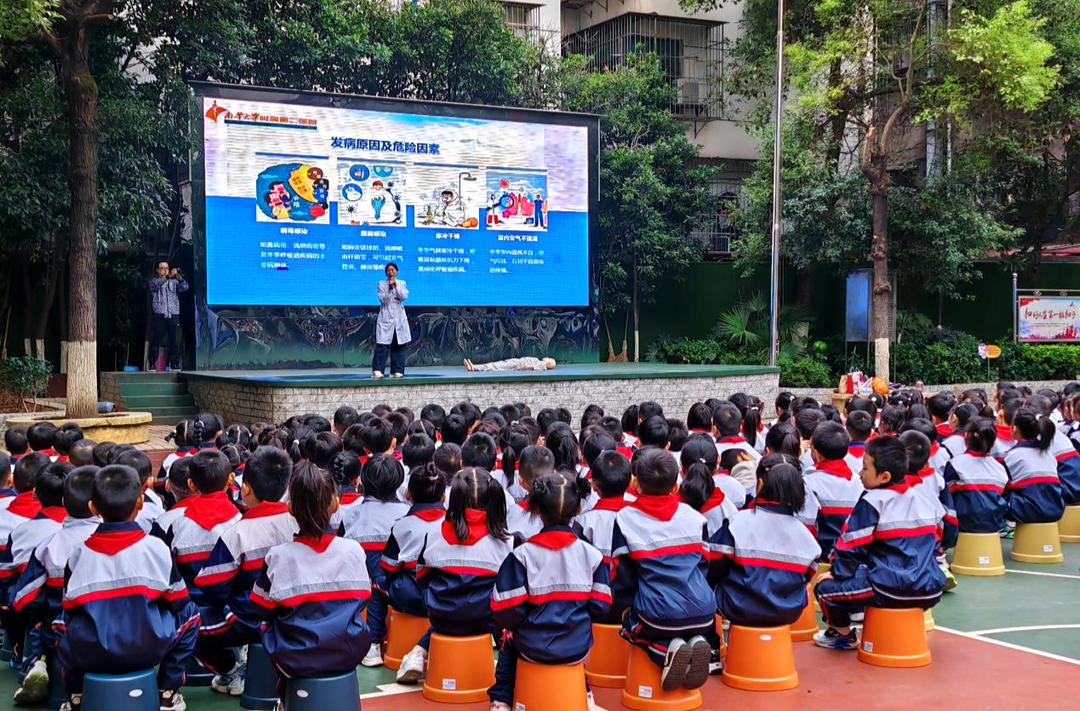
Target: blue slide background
{"x": 235, "y": 276}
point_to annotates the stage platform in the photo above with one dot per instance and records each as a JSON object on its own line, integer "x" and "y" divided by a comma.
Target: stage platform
{"x": 275, "y": 395}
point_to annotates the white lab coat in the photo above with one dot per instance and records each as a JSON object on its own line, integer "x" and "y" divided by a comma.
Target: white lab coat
{"x": 392, "y": 318}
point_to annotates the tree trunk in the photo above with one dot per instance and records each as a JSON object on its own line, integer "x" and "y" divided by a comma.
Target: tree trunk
{"x": 882, "y": 299}
{"x": 81, "y": 92}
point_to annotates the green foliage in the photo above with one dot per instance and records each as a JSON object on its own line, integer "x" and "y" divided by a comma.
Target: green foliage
{"x": 20, "y": 19}
{"x": 25, "y": 376}
{"x": 652, "y": 198}
{"x": 809, "y": 370}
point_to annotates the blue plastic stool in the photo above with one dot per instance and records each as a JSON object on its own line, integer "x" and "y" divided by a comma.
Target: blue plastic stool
{"x": 260, "y": 683}
{"x": 340, "y": 693}
{"x": 196, "y": 674}
{"x": 5, "y": 647}
{"x": 57, "y": 693}
{"x": 136, "y": 691}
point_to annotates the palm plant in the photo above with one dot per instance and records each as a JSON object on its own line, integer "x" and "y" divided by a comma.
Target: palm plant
{"x": 745, "y": 326}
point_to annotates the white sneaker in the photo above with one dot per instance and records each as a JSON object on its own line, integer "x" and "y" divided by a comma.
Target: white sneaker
{"x": 35, "y": 685}
{"x": 171, "y": 701}
{"x": 231, "y": 683}
{"x": 376, "y": 375}
{"x": 412, "y": 666}
{"x": 374, "y": 656}
{"x": 397, "y": 375}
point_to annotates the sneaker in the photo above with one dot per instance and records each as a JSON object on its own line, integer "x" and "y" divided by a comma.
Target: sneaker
{"x": 1006, "y": 530}
{"x": 171, "y": 701}
{"x": 412, "y": 666}
{"x": 35, "y": 685}
{"x": 231, "y": 683}
{"x": 950, "y": 579}
{"x": 831, "y": 639}
{"x": 698, "y": 672}
{"x": 857, "y": 617}
{"x": 376, "y": 375}
{"x": 374, "y": 656}
{"x": 74, "y": 703}
{"x": 716, "y": 665}
{"x": 397, "y": 375}
{"x": 676, "y": 665}
{"x": 590, "y": 700}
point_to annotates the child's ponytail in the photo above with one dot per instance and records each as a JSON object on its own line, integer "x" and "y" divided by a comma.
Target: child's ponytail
{"x": 751, "y": 423}
{"x": 556, "y": 498}
{"x": 197, "y": 432}
{"x": 1034, "y": 426}
{"x": 980, "y": 435}
{"x": 474, "y": 488}
{"x": 697, "y": 486}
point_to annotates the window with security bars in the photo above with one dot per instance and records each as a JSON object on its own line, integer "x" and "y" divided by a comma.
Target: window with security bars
{"x": 691, "y": 53}
{"x": 714, "y": 237}
{"x": 524, "y": 20}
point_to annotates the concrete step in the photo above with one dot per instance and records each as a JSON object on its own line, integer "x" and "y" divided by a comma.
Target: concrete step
{"x": 151, "y": 402}
{"x": 137, "y": 388}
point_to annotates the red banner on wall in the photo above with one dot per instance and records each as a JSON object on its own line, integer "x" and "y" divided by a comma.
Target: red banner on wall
{"x": 1048, "y": 318}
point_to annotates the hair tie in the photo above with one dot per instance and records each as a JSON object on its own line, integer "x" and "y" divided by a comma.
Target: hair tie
{"x": 702, "y": 460}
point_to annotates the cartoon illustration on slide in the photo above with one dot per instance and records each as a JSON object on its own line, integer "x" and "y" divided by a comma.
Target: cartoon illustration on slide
{"x": 371, "y": 195}
{"x": 517, "y": 201}
{"x": 452, "y": 199}
{"x": 295, "y": 192}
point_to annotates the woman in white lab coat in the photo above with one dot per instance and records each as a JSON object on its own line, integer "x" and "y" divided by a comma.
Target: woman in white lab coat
{"x": 392, "y": 329}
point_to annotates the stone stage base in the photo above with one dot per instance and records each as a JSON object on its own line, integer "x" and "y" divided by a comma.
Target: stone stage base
{"x": 273, "y": 396}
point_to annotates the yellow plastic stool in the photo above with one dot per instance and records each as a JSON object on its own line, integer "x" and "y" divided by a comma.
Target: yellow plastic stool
{"x": 928, "y": 621}
{"x": 1037, "y": 543}
{"x": 978, "y": 554}
{"x": 822, "y": 568}
{"x": 1069, "y": 525}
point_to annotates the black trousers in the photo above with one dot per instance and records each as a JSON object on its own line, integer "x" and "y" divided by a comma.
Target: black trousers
{"x": 395, "y": 350}
{"x": 165, "y": 331}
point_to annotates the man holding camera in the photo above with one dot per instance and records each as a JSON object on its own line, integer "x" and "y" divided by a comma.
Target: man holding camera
{"x": 165, "y": 290}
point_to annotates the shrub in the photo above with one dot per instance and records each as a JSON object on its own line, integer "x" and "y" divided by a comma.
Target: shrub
{"x": 25, "y": 376}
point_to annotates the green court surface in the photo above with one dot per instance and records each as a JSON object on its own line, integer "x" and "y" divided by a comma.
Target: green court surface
{"x": 1009, "y": 642}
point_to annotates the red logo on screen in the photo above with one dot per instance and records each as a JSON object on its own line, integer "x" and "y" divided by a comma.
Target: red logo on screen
{"x": 215, "y": 111}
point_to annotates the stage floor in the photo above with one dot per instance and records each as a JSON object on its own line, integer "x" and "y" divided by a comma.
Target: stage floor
{"x": 354, "y": 378}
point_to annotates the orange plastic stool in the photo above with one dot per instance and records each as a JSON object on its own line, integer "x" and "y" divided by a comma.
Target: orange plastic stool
{"x": 606, "y": 664}
{"x": 894, "y": 638}
{"x": 402, "y": 633}
{"x": 644, "y": 693}
{"x": 540, "y": 687}
{"x": 720, "y": 634}
{"x": 760, "y": 659}
{"x": 806, "y": 627}
{"x": 460, "y": 669}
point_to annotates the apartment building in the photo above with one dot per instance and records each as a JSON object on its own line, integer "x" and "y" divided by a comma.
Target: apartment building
{"x": 692, "y": 49}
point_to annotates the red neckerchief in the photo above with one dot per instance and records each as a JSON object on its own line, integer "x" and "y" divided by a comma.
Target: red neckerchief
{"x": 934, "y": 447}
{"x": 429, "y": 515}
{"x": 209, "y": 510}
{"x": 192, "y": 451}
{"x": 50, "y": 452}
{"x": 319, "y": 544}
{"x": 857, "y": 448}
{"x": 113, "y": 542}
{"x": 349, "y": 497}
{"x": 945, "y": 429}
{"x": 56, "y": 513}
{"x": 62, "y": 458}
{"x": 926, "y": 473}
{"x": 25, "y": 505}
{"x": 266, "y": 508}
{"x": 658, "y": 507}
{"x": 715, "y": 500}
{"x": 477, "y": 521}
{"x": 1004, "y": 432}
{"x": 973, "y": 453}
{"x": 611, "y": 503}
{"x": 836, "y": 467}
{"x": 732, "y": 440}
{"x": 554, "y": 540}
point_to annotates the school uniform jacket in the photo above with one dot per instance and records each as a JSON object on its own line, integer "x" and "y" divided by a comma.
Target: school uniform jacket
{"x": 716, "y": 510}
{"x": 20, "y": 509}
{"x": 939, "y": 457}
{"x": 192, "y": 536}
{"x": 733, "y": 490}
{"x": 21, "y": 544}
{"x": 312, "y": 592}
{"x": 1034, "y": 489}
{"x": 894, "y": 532}
{"x": 737, "y": 442}
{"x": 348, "y": 501}
{"x": 1068, "y": 467}
{"x": 548, "y": 592}
{"x": 659, "y": 562}
{"x": 854, "y": 457}
{"x": 369, "y": 524}
{"x": 124, "y": 600}
{"x": 955, "y": 444}
{"x": 523, "y": 522}
{"x": 837, "y": 491}
{"x": 596, "y": 526}
{"x": 1003, "y": 443}
{"x": 38, "y": 594}
{"x": 396, "y": 574}
{"x": 456, "y": 577}
{"x": 759, "y": 564}
{"x": 977, "y": 485}
{"x": 152, "y": 509}
{"x": 930, "y": 483}
{"x": 229, "y": 574}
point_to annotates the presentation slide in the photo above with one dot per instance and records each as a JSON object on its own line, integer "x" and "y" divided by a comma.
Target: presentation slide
{"x": 305, "y": 204}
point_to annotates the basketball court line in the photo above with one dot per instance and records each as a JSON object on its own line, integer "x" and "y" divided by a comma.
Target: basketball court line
{"x": 1039, "y": 572}
{"x": 1030, "y": 628}
{"x": 396, "y": 689}
{"x": 1010, "y": 645}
